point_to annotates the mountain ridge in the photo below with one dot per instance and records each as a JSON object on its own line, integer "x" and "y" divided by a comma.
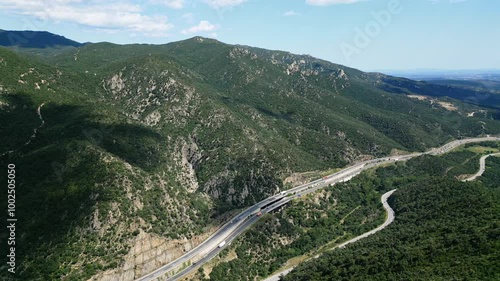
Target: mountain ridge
{"x": 34, "y": 39}
{"x": 163, "y": 141}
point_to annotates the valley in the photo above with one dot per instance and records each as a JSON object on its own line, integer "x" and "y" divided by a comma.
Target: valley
{"x": 429, "y": 224}
{"x": 244, "y": 220}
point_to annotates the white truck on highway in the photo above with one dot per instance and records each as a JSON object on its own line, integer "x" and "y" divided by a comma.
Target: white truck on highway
{"x": 222, "y": 244}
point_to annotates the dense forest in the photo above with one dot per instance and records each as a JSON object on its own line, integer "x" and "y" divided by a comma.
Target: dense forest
{"x": 444, "y": 229}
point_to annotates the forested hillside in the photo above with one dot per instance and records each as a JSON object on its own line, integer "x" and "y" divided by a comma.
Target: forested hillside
{"x": 27, "y": 39}
{"x": 120, "y": 146}
{"x": 444, "y": 229}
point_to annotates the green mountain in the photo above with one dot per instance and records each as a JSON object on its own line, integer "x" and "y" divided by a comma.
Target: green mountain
{"x": 34, "y": 39}
{"x": 115, "y": 145}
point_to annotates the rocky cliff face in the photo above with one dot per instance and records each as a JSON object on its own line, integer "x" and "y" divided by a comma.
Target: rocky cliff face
{"x": 147, "y": 253}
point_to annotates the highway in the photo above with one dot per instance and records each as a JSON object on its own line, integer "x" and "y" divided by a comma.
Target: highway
{"x": 482, "y": 167}
{"x": 389, "y": 219}
{"x": 210, "y": 247}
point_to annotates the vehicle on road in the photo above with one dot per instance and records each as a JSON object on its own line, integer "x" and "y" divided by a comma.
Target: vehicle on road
{"x": 256, "y": 212}
{"x": 222, "y": 244}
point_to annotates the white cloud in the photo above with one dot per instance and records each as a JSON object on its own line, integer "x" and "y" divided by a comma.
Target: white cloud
{"x": 203, "y": 26}
{"x": 174, "y": 4}
{"x": 224, "y": 3}
{"x": 290, "y": 14}
{"x": 330, "y": 2}
{"x": 118, "y": 15}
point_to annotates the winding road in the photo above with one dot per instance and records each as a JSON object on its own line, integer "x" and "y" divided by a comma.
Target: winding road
{"x": 241, "y": 222}
{"x": 389, "y": 219}
{"x": 482, "y": 167}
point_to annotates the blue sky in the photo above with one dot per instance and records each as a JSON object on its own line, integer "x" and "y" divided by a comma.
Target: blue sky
{"x": 367, "y": 34}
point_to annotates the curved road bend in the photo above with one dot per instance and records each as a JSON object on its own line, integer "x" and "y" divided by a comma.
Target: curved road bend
{"x": 390, "y": 218}
{"x": 208, "y": 248}
{"x": 482, "y": 167}
{"x": 210, "y": 245}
